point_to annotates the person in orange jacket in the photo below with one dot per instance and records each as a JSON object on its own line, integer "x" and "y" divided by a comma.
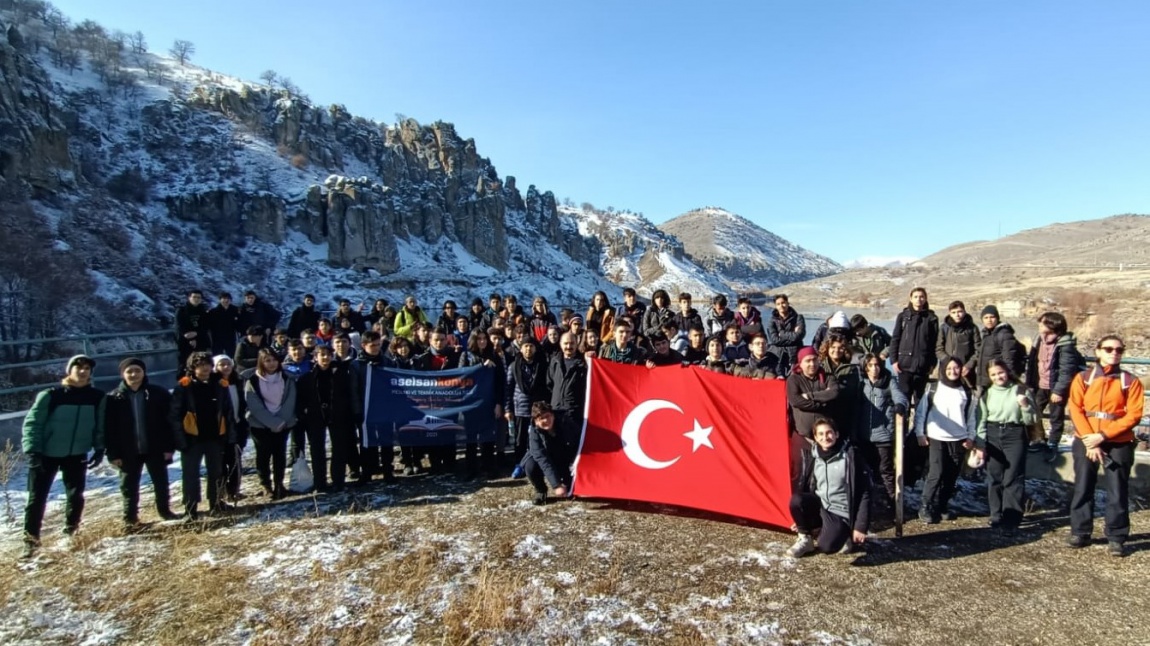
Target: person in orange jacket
{"x": 1105, "y": 405}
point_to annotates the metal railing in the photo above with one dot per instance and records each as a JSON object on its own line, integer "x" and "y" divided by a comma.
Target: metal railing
{"x": 87, "y": 343}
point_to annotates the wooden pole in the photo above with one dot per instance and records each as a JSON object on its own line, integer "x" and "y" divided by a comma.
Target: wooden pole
{"x": 899, "y": 434}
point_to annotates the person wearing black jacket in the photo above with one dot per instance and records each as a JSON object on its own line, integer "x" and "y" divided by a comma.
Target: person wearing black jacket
{"x": 567, "y": 378}
{"x": 256, "y": 311}
{"x": 1054, "y": 360}
{"x": 831, "y": 507}
{"x": 959, "y": 337}
{"x": 225, "y": 370}
{"x": 304, "y": 317}
{"x": 657, "y": 314}
{"x": 913, "y": 344}
{"x": 355, "y": 319}
{"x": 440, "y": 356}
{"x": 223, "y": 322}
{"x": 372, "y": 459}
{"x": 812, "y": 394}
{"x": 192, "y": 332}
{"x": 998, "y": 342}
{"x": 138, "y": 435}
{"x": 786, "y": 330}
{"x": 481, "y": 352}
{"x": 248, "y": 352}
{"x": 553, "y": 444}
{"x": 201, "y": 418}
{"x": 526, "y": 384}
{"x": 328, "y": 403}
{"x": 662, "y": 355}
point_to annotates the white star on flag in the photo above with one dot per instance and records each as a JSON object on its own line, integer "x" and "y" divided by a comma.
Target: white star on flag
{"x": 700, "y": 436}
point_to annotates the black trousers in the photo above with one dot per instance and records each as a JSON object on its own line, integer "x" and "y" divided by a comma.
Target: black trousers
{"x": 232, "y": 462}
{"x": 880, "y": 459}
{"x": 41, "y": 474}
{"x": 131, "y": 467}
{"x": 1117, "y": 461}
{"x": 271, "y": 456}
{"x": 211, "y": 454}
{"x": 1057, "y": 415}
{"x": 944, "y": 464}
{"x": 809, "y": 516}
{"x": 519, "y": 437}
{"x": 343, "y": 453}
{"x": 913, "y": 385}
{"x": 538, "y": 480}
{"x": 1006, "y": 468}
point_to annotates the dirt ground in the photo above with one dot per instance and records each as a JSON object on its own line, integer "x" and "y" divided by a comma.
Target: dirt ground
{"x": 434, "y": 560}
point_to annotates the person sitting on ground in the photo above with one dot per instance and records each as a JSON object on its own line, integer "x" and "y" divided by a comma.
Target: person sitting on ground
{"x": 831, "y": 510}
{"x": 139, "y": 436}
{"x": 553, "y": 445}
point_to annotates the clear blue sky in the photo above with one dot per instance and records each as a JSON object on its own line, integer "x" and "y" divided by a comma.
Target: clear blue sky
{"x": 852, "y": 128}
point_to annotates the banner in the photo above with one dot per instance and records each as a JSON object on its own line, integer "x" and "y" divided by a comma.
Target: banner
{"x": 689, "y": 437}
{"x": 414, "y": 408}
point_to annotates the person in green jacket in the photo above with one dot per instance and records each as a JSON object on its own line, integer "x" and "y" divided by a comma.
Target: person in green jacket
{"x": 63, "y": 425}
{"x": 1005, "y": 412}
{"x": 410, "y": 315}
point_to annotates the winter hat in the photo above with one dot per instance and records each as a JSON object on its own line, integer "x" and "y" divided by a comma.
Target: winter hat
{"x": 477, "y": 301}
{"x": 838, "y": 319}
{"x": 132, "y": 361}
{"x": 222, "y": 357}
{"x": 804, "y": 352}
{"x": 80, "y": 358}
{"x": 990, "y": 309}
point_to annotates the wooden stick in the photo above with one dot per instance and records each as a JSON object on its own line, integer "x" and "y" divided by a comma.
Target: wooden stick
{"x": 899, "y": 431}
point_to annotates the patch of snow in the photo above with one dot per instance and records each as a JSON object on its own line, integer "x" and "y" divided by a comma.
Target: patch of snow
{"x": 533, "y": 547}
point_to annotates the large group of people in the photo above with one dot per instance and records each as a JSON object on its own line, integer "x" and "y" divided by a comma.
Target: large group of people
{"x": 296, "y": 391}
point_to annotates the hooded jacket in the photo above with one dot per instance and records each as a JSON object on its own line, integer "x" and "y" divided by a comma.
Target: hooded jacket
{"x": 880, "y": 401}
{"x": 785, "y": 335}
{"x": 1065, "y": 363}
{"x": 65, "y": 421}
{"x": 960, "y": 340}
{"x": 998, "y": 343}
{"x": 567, "y": 381}
{"x": 915, "y": 340}
{"x": 857, "y": 483}
{"x": 120, "y": 428}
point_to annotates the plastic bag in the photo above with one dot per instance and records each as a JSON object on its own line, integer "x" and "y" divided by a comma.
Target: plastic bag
{"x": 974, "y": 460}
{"x": 301, "y": 480}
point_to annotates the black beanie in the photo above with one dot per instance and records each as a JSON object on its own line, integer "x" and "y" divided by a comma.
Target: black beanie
{"x": 990, "y": 309}
{"x": 132, "y": 361}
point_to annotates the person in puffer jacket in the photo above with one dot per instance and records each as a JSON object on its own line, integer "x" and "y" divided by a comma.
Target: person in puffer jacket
{"x": 64, "y": 423}
{"x": 881, "y": 400}
{"x": 831, "y": 508}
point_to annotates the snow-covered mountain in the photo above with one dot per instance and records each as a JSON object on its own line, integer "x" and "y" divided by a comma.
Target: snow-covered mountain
{"x": 743, "y": 255}
{"x": 152, "y": 176}
{"x": 637, "y": 254}
{"x": 879, "y": 261}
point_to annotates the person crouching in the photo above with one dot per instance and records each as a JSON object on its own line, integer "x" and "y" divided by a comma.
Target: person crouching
{"x": 831, "y": 509}
{"x": 553, "y": 441}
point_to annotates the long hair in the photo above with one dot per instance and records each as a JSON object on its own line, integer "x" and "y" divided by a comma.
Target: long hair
{"x": 267, "y": 352}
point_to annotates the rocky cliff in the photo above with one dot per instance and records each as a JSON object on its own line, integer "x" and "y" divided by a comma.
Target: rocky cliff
{"x": 202, "y": 180}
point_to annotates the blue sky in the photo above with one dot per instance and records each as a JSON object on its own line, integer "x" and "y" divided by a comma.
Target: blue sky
{"x": 852, "y": 128}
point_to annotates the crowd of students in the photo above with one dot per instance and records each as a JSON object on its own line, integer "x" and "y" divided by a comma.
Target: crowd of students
{"x": 299, "y": 390}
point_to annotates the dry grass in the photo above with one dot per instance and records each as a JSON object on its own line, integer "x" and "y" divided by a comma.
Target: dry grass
{"x": 491, "y": 568}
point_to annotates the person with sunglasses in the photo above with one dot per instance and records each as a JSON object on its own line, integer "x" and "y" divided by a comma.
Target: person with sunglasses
{"x": 1105, "y": 406}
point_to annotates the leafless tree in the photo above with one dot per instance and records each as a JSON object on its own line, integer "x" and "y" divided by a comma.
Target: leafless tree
{"x": 182, "y": 50}
{"x": 137, "y": 43}
{"x": 269, "y": 77}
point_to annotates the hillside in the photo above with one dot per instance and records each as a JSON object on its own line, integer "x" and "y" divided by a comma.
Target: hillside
{"x": 743, "y": 255}
{"x": 1097, "y": 272}
{"x": 138, "y": 176}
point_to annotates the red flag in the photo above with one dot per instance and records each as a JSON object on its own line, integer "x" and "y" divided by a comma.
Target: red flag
{"x": 689, "y": 437}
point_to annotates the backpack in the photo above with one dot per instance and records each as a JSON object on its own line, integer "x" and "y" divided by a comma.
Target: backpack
{"x": 1018, "y": 365}
{"x": 1093, "y": 373}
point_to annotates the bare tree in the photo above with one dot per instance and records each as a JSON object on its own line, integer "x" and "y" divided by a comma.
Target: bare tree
{"x": 137, "y": 43}
{"x": 182, "y": 50}
{"x": 288, "y": 87}
{"x": 269, "y": 77}
{"x": 56, "y": 21}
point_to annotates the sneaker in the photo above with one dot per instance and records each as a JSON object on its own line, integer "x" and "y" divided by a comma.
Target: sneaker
{"x": 1114, "y": 548}
{"x": 848, "y": 547}
{"x": 1078, "y": 540}
{"x": 804, "y": 545}
{"x": 518, "y": 472}
{"x": 408, "y": 471}
{"x": 926, "y": 516}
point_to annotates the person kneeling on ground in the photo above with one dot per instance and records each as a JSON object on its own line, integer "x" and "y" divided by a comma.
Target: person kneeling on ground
{"x": 552, "y": 443}
{"x": 831, "y": 509}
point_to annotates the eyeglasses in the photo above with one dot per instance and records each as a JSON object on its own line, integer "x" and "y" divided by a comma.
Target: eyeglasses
{"x": 1109, "y": 349}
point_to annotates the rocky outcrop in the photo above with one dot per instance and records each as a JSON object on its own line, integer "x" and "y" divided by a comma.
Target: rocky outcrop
{"x": 33, "y": 138}
{"x": 360, "y": 225}
{"x": 227, "y": 214}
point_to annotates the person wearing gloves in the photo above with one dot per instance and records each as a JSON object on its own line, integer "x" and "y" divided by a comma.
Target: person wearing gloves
{"x": 831, "y": 508}
{"x": 945, "y": 422}
{"x": 63, "y": 425}
{"x": 139, "y": 436}
{"x": 1005, "y": 412}
{"x": 553, "y": 441}
{"x": 271, "y": 402}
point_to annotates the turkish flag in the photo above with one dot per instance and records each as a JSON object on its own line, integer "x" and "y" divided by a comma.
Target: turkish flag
{"x": 689, "y": 437}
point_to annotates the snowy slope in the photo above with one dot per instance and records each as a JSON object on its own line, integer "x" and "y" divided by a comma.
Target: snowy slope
{"x": 637, "y": 254}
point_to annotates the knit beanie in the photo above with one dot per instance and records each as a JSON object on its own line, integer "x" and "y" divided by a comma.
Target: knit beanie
{"x": 221, "y": 357}
{"x": 990, "y": 309}
{"x": 80, "y": 358}
{"x": 838, "y": 319}
{"x": 804, "y": 352}
{"x": 132, "y": 361}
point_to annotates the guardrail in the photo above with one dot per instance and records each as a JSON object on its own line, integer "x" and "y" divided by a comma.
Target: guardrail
{"x": 87, "y": 344}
